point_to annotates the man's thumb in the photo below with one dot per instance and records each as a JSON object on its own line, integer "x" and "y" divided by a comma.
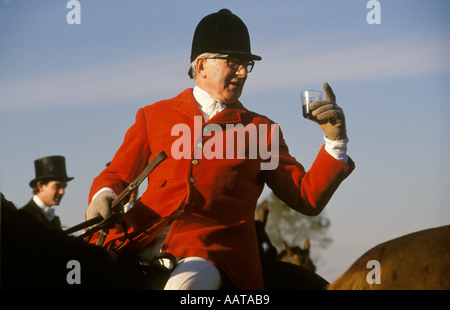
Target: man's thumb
{"x": 329, "y": 92}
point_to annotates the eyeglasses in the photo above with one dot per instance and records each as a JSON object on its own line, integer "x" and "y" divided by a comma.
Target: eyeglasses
{"x": 234, "y": 62}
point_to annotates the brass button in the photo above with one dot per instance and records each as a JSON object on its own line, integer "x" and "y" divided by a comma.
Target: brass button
{"x": 192, "y": 179}
{"x": 199, "y": 144}
{"x": 195, "y": 162}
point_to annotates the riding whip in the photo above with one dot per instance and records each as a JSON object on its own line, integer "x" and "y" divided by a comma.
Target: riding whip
{"x": 115, "y": 206}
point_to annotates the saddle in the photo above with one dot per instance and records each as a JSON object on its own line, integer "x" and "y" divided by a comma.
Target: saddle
{"x": 154, "y": 274}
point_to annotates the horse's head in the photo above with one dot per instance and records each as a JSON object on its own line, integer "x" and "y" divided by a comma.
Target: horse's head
{"x": 297, "y": 256}
{"x": 266, "y": 249}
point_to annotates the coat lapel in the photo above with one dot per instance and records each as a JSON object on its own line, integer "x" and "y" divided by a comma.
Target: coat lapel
{"x": 186, "y": 104}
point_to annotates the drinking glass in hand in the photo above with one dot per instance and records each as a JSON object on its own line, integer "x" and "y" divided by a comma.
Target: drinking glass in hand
{"x": 309, "y": 96}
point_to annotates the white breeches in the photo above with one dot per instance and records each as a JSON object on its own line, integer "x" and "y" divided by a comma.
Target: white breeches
{"x": 194, "y": 273}
{"x": 191, "y": 273}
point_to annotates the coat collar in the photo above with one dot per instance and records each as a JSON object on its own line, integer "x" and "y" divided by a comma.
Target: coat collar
{"x": 186, "y": 104}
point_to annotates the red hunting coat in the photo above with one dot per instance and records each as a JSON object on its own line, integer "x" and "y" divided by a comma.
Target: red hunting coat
{"x": 212, "y": 200}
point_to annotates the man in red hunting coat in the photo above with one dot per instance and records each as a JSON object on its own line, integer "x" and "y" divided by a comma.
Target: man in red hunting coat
{"x": 199, "y": 204}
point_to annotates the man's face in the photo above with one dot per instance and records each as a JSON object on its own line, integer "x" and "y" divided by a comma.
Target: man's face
{"x": 52, "y": 192}
{"x": 222, "y": 82}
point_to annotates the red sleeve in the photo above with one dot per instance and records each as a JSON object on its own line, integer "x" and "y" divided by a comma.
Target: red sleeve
{"x": 307, "y": 192}
{"x": 129, "y": 160}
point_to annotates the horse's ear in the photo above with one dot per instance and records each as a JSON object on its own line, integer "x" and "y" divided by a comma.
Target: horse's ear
{"x": 263, "y": 212}
{"x": 306, "y": 245}
{"x": 288, "y": 249}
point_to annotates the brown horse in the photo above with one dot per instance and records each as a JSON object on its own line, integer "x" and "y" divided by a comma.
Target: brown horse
{"x": 291, "y": 273}
{"x": 297, "y": 256}
{"x": 294, "y": 255}
{"x": 417, "y": 261}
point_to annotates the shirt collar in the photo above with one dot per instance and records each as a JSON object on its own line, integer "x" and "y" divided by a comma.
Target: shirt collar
{"x": 207, "y": 104}
{"x": 49, "y": 212}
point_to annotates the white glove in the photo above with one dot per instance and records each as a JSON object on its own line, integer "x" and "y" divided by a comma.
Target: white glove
{"x": 101, "y": 204}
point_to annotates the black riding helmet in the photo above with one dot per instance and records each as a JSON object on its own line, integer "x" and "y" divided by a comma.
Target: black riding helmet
{"x": 223, "y": 33}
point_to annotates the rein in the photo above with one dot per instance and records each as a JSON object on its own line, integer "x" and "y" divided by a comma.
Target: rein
{"x": 117, "y": 211}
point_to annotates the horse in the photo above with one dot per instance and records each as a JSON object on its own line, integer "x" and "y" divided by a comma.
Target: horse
{"x": 416, "y": 261}
{"x": 37, "y": 257}
{"x": 267, "y": 251}
{"x": 294, "y": 255}
{"x": 297, "y": 256}
{"x": 289, "y": 270}
{"x": 292, "y": 270}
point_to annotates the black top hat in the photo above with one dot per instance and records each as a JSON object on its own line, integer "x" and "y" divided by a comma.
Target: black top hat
{"x": 224, "y": 33}
{"x": 50, "y": 168}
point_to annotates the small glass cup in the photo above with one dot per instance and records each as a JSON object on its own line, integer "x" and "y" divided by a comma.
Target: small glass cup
{"x": 309, "y": 96}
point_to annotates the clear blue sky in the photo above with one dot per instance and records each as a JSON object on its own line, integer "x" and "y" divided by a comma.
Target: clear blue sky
{"x": 73, "y": 90}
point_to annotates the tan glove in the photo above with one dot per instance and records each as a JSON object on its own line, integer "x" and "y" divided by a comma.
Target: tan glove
{"x": 101, "y": 204}
{"x": 329, "y": 116}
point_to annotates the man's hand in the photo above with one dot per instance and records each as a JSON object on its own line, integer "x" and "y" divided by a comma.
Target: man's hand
{"x": 101, "y": 204}
{"x": 329, "y": 116}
